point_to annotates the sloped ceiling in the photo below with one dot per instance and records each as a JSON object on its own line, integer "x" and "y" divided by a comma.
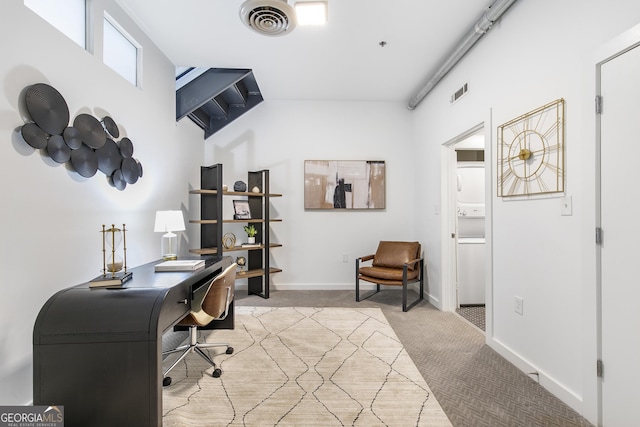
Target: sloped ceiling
{"x": 342, "y": 60}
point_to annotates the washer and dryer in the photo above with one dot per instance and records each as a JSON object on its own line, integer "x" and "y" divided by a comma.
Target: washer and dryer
{"x": 471, "y": 257}
{"x": 471, "y": 237}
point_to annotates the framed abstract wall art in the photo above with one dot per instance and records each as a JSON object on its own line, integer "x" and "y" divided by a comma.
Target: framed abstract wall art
{"x": 344, "y": 184}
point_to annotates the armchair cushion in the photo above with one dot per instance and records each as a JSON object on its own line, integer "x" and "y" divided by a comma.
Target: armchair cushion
{"x": 396, "y": 254}
{"x": 386, "y": 276}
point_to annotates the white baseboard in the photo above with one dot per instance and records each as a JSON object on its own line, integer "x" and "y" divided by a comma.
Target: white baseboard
{"x": 364, "y": 287}
{"x": 319, "y": 286}
{"x": 434, "y": 301}
{"x": 556, "y": 388}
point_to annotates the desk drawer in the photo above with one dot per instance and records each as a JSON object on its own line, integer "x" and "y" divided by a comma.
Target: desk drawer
{"x": 177, "y": 304}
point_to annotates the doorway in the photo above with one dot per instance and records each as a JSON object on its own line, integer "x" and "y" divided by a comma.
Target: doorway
{"x": 470, "y": 217}
{"x": 464, "y": 226}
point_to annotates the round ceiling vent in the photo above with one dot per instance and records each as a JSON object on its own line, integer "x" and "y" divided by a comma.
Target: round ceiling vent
{"x": 268, "y": 17}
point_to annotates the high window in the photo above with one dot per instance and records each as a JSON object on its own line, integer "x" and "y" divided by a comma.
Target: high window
{"x": 70, "y": 19}
{"x": 121, "y": 52}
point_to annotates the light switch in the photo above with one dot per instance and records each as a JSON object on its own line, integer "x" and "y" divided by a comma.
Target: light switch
{"x": 566, "y": 208}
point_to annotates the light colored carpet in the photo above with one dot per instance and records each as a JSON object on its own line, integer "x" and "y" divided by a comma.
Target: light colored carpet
{"x": 303, "y": 367}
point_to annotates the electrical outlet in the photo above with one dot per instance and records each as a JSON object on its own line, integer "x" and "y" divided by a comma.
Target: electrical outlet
{"x": 345, "y": 257}
{"x": 519, "y": 305}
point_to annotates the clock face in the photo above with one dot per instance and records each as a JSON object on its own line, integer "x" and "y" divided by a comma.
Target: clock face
{"x": 531, "y": 152}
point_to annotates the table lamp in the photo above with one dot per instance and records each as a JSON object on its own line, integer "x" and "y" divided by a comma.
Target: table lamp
{"x": 167, "y": 222}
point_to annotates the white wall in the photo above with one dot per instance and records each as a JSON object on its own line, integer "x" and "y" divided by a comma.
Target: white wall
{"x": 50, "y": 216}
{"x": 280, "y": 136}
{"x": 533, "y": 56}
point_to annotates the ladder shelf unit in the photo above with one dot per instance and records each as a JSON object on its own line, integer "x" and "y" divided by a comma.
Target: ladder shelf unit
{"x": 212, "y": 224}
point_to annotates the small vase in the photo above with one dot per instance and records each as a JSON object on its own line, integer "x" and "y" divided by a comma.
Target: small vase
{"x": 251, "y": 240}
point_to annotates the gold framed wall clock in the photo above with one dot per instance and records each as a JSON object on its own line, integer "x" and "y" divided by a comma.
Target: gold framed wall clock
{"x": 531, "y": 152}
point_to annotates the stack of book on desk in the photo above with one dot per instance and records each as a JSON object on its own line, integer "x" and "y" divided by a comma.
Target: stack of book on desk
{"x": 180, "y": 265}
{"x": 111, "y": 280}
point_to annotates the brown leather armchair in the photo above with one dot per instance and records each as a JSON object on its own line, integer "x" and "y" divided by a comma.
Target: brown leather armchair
{"x": 393, "y": 264}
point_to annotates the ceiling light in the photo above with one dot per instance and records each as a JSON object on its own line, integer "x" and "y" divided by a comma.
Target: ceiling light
{"x": 311, "y": 12}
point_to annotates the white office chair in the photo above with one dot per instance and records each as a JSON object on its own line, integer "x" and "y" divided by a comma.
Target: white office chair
{"x": 210, "y": 302}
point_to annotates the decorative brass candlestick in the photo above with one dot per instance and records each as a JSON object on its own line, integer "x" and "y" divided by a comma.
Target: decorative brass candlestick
{"x": 113, "y": 262}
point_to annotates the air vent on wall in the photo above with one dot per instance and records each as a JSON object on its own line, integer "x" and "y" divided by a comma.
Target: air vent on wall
{"x": 268, "y": 17}
{"x": 459, "y": 93}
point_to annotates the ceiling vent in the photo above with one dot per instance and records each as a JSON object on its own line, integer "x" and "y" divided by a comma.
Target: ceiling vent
{"x": 268, "y": 17}
{"x": 459, "y": 93}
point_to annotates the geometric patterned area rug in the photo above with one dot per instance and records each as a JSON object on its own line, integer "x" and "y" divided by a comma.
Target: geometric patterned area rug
{"x": 303, "y": 367}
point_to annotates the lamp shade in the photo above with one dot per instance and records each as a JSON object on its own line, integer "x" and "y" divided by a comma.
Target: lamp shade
{"x": 169, "y": 221}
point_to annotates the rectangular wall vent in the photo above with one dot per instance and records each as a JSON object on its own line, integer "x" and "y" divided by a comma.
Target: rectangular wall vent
{"x": 459, "y": 93}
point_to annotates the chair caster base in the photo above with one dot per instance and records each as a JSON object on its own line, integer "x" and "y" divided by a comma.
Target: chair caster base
{"x": 229, "y": 350}
{"x": 166, "y": 381}
{"x": 216, "y": 373}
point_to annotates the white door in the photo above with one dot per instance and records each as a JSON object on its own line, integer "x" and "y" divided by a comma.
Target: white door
{"x": 620, "y": 222}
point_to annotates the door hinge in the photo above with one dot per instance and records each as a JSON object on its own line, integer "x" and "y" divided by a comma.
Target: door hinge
{"x": 599, "y": 368}
{"x": 598, "y": 236}
{"x": 598, "y": 104}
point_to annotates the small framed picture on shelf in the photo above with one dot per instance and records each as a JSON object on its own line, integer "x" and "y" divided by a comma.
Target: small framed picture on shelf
{"x": 241, "y": 209}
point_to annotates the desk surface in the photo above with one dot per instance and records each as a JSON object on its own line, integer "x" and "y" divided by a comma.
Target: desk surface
{"x": 97, "y": 351}
{"x": 147, "y": 305}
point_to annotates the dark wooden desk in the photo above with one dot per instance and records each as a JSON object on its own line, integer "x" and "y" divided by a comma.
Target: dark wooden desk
{"x": 98, "y": 351}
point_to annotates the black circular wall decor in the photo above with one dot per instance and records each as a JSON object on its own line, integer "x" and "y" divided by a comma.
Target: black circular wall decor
{"x": 139, "y": 167}
{"x": 58, "y": 149}
{"x": 91, "y": 131}
{"x": 126, "y": 147}
{"x": 47, "y": 108}
{"x": 130, "y": 170}
{"x": 117, "y": 180}
{"x": 84, "y": 161}
{"x": 109, "y": 158}
{"x": 87, "y": 145}
{"x": 35, "y": 137}
{"x": 72, "y": 137}
{"x": 111, "y": 127}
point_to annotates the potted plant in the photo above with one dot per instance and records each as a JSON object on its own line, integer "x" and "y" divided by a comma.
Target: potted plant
{"x": 251, "y": 233}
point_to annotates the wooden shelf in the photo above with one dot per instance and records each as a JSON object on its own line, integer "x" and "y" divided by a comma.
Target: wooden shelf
{"x": 234, "y": 193}
{"x": 255, "y": 248}
{"x": 255, "y": 273}
{"x": 215, "y": 221}
{"x": 204, "y": 251}
{"x": 250, "y": 220}
{"x": 213, "y": 251}
{"x": 203, "y": 221}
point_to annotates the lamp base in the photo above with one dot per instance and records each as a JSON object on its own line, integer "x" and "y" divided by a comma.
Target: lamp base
{"x": 169, "y": 249}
